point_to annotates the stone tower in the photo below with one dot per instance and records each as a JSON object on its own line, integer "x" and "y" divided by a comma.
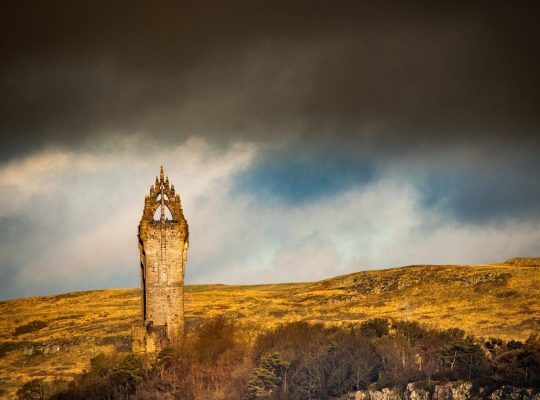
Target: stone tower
{"x": 163, "y": 245}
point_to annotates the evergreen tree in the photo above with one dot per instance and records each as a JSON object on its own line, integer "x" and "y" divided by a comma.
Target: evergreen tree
{"x": 267, "y": 376}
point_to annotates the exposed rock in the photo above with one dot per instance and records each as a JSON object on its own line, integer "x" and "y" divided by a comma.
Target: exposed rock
{"x": 513, "y": 393}
{"x": 457, "y": 390}
{"x": 384, "y": 394}
{"x": 48, "y": 348}
{"x": 453, "y": 391}
{"x": 415, "y": 391}
{"x": 361, "y": 395}
{"x": 442, "y": 392}
{"x": 461, "y": 391}
{"x": 120, "y": 343}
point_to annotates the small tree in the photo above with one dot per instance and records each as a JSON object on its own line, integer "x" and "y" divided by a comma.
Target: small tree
{"x": 127, "y": 374}
{"x": 268, "y": 375}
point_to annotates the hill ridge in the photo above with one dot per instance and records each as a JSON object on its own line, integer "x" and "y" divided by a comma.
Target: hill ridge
{"x": 56, "y": 335}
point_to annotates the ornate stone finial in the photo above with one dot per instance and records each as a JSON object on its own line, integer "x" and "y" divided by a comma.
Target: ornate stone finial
{"x": 161, "y": 173}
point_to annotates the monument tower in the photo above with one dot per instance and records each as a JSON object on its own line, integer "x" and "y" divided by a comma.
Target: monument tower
{"x": 163, "y": 245}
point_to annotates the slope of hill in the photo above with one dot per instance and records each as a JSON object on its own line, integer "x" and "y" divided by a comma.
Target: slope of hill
{"x": 55, "y": 336}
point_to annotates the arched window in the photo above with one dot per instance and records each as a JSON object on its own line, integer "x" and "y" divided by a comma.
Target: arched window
{"x": 165, "y": 197}
{"x": 168, "y": 214}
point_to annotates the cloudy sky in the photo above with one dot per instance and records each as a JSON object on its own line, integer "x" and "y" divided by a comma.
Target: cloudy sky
{"x": 307, "y": 139}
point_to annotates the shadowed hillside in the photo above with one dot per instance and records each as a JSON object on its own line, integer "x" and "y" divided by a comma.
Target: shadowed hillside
{"x": 55, "y": 336}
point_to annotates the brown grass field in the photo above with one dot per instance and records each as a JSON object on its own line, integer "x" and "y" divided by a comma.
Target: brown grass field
{"x": 54, "y": 337}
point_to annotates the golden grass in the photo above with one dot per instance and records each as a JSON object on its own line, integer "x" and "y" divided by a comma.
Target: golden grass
{"x": 485, "y": 300}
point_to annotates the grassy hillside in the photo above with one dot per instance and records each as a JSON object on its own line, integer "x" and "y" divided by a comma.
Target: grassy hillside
{"x": 55, "y": 336}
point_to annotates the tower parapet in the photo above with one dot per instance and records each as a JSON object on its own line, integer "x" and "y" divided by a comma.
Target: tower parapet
{"x": 163, "y": 245}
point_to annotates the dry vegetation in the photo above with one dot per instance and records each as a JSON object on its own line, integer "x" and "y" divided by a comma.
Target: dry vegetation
{"x": 55, "y": 336}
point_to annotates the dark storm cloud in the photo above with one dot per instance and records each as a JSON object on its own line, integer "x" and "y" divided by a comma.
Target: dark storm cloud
{"x": 376, "y": 83}
{"x": 383, "y": 78}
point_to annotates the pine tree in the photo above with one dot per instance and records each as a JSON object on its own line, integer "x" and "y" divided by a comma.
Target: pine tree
{"x": 268, "y": 375}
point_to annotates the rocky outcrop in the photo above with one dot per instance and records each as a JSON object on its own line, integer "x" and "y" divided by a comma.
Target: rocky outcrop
{"x": 453, "y": 391}
{"x": 513, "y": 393}
{"x": 48, "y": 348}
{"x": 458, "y": 390}
{"x": 415, "y": 391}
{"x": 384, "y": 394}
{"x": 120, "y": 343}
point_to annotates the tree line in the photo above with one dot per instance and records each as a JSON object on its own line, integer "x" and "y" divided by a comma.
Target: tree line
{"x": 299, "y": 360}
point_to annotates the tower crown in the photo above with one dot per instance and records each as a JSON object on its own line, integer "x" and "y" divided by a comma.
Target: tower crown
{"x": 162, "y": 196}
